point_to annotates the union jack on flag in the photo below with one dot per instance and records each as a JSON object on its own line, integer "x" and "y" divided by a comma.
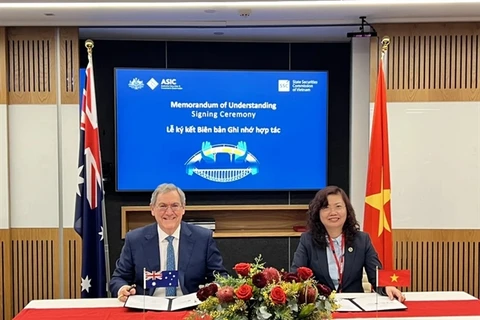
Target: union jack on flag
{"x": 89, "y": 208}
{"x": 153, "y": 275}
{"x": 160, "y": 279}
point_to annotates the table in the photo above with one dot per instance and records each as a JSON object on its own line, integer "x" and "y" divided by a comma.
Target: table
{"x": 420, "y": 306}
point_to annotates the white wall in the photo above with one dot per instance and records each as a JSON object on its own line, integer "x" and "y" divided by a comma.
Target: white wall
{"x": 33, "y": 165}
{"x": 4, "y": 189}
{"x": 435, "y": 165}
{"x": 70, "y": 117}
{"x": 35, "y": 188}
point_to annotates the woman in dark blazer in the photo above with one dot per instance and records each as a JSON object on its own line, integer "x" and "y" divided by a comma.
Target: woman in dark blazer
{"x": 335, "y": 248}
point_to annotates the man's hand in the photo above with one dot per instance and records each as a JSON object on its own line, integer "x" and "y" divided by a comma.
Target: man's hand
{"x": 393, "y": 292}
{"x": 126, "y": 291}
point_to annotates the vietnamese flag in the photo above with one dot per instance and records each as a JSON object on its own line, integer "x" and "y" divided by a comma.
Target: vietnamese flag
{"x": 377, "y": 220}
{"x": 397, "y": 278}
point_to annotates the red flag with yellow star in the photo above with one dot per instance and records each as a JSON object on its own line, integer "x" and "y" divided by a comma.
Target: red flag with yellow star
{"x": 396, "y": 278}
{"x": 377, "y": 218}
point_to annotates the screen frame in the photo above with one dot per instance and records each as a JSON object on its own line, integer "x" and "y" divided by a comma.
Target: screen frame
{"x": 115, "y": 96}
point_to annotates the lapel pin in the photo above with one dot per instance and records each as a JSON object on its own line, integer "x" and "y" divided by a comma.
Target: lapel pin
{"x": 350, "y": 249}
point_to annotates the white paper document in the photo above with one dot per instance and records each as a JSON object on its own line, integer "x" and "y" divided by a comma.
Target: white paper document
{"x": 162, "y": 304}
{"x": 370, "y": 303}
{"x": 346, "y": 305}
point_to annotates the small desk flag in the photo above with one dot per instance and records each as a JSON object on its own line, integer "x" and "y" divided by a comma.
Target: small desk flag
{"x": 396, "y": 278}
{"x": 160, "y": 279}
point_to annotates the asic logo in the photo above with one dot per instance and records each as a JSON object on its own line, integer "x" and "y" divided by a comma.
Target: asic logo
{"x": 169, "y": 81}
{"x": 283, "y": 85}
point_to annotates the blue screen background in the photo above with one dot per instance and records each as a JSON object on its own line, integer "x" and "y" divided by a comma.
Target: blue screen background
{"x": 147, "y": 155}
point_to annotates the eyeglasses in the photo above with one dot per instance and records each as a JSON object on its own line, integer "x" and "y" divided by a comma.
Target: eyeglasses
{"x": 336, "y": 208}
{"x": 162, "y": 207}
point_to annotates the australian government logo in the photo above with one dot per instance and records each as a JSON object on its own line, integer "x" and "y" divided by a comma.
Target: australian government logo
{"x": 222, "y": 162}
{"x": 136, "y": 84}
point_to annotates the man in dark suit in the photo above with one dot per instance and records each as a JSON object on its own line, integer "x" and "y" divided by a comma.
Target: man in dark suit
{"x": 155, "y": 246}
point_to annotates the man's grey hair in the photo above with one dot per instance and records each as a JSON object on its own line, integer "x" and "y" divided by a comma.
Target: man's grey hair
{"x": 166, "y": 188}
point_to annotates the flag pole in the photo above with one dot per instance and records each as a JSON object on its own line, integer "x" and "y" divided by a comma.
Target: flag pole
{"x": 89, "y": 44}
{"x": 385, "y": 44}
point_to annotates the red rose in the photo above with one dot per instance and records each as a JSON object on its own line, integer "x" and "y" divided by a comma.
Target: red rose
{"x": 207, "y": 291}
{"x": 259, "y": 280}
{"x": 271, "y": 274}
{"x": 324, "y": 290}
{"x": 290, "y": 277}
{"x": 225, "y": 294}
{"x": 242, "y": 269}
{"x": 304, "y": 273}
{"x": 213, "y": 288}
{"x": 278, "y": 295}
{"x": 244, "y": 292}
{"x": 203, "y": 294}
{"x": 307, "y": 295}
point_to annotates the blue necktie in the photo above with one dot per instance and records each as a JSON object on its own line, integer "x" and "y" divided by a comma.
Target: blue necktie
{"x": 170, "y": 291}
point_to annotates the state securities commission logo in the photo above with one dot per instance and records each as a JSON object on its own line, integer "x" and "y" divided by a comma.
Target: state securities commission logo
{"x": 283, "y": 85}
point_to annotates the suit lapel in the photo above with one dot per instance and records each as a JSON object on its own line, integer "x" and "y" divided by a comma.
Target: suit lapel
{"x": 323, "y": 265}
{"x": 349, "y": 262}
{"x": 185, "y": 249}
{"x": 151, "y": 249}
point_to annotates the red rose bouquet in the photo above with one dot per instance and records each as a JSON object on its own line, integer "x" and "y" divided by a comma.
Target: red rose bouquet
{"x": 265, "y": 294}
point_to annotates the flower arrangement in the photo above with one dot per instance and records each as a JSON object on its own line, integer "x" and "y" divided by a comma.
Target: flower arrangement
{"x": 261, "y": 293}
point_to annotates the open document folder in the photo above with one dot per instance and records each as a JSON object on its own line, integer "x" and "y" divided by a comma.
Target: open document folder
{"x": 162, "y": 304}
{"x": 369, "y": 302}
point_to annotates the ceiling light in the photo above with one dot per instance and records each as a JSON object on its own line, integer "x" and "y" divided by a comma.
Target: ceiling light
{"x": 218, "y": 33}
{"x": 235, "y": 4}
{"x": 49, "y": 14}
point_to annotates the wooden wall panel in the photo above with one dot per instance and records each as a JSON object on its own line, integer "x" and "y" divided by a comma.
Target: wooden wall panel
{"x": 35, "y": 266}
{"x": 440, "y": 260}
{"x": 6, "y": 310}
{"x": 72, "y": 263}
{"x": 32, "y": 71}
{"x": 3, "y": 66}
{"x": 69, "y": 65}
{"x": 429, "y": 62}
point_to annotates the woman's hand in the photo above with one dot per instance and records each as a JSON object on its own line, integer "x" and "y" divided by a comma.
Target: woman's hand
{"x": 393, "y": 292}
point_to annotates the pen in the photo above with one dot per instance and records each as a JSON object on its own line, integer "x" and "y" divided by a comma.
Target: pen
{"x": 131, "y": 287}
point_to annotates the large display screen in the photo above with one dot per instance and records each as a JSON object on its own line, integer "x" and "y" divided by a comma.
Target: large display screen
{"x": 220, "y": 130}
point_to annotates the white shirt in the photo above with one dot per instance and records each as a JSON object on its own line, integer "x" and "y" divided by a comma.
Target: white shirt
{"x": 163, "y": 243}
{"x": 332, "y": 264}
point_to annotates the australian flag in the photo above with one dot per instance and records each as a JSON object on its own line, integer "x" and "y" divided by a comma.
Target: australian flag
{"x": 89, "y": 217}
{"x": 161, "y": 279}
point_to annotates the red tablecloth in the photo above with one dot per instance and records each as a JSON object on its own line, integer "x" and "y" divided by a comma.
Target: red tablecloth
{"x": 415, "y": 309}
{"x": 422, "y": 309}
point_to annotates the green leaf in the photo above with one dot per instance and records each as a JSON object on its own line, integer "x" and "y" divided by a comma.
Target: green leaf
{"x": 306, "y": 311}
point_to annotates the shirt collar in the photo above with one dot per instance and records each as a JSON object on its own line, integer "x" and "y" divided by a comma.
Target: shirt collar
{"x": 162, "y": 234}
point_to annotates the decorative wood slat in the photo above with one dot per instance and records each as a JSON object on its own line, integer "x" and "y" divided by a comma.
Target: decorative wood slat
{"x": 35, "y": 266}
{"x": 6, "y": 309}
{"x": 3, "y": 66}
{"x": 429, "y": 62}
{"x": 32, "y": 65}
{"x": 440, "y": 260}
{"x": 69, "y": 65}
{"x": 72, "y": 264}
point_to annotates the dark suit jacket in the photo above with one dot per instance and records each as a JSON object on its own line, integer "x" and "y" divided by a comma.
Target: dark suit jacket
{"x": 198, "y": 258}
{"x": 362, "y": 256}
